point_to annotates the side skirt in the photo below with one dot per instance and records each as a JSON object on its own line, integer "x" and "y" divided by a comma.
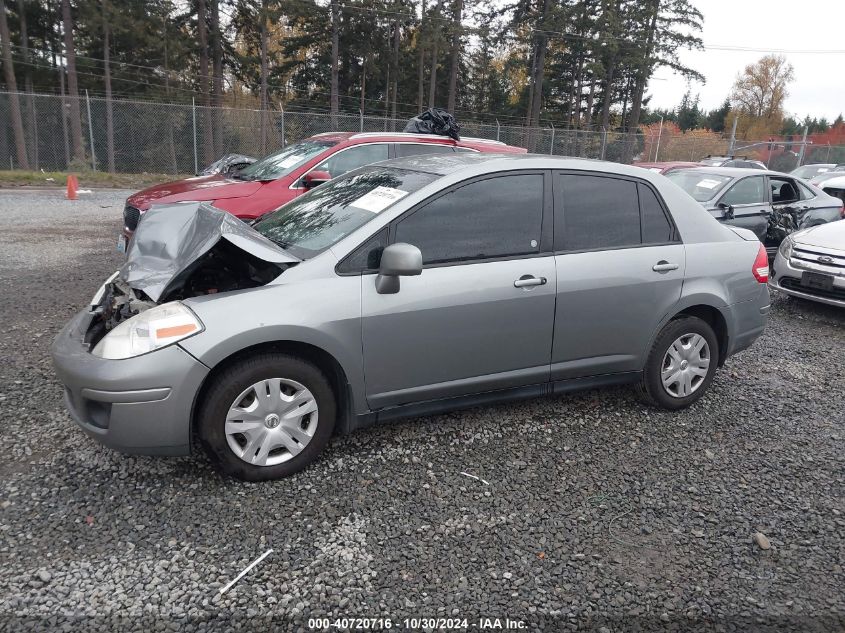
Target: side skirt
{"x": 433, "y": 407}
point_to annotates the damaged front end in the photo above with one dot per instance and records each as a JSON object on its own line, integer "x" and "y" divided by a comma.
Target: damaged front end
{"x": 183, "y": 251}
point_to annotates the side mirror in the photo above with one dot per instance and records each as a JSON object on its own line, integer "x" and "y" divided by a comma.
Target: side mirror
{"x": 314, "y": 178}
{"x": 397, "y": 260}
{"x": 727, "y": 211}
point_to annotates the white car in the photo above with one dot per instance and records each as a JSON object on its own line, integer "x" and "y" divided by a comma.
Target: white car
{"x": 810, "y": 264}
{"x": 834, "y": 187}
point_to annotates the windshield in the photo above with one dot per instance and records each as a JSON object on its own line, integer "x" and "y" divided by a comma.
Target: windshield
{"x": 700, "y": 185}
{"x": 322, "y": 217}
{"x": 283, "y": 162}
{"x": 808, "y": 171}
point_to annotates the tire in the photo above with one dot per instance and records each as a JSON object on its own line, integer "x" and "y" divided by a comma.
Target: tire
{"x": 651, "y": 388}
{"x": 286, "y": 407}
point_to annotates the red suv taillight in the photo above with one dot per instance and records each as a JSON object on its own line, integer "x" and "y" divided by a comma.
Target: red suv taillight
{"x": 760, "y": 269}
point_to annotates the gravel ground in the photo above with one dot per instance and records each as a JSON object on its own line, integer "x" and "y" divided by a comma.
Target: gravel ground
{"x": 598, "y": 513}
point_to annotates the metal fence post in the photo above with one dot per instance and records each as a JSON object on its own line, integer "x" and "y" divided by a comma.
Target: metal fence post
{"x": 552, "y": 144}
{"x": 361, "y": 120}
{"x": 733, "y": 137}
{"x": 498, "y": 129}
{"x": 91, "y": 131}
{"x": 194, "y": 112}
{"x": 659, "y": 134}
{"x": 803, "y": 147}
{"x": 603, "y": 141}
{"x": 283, "y": 127}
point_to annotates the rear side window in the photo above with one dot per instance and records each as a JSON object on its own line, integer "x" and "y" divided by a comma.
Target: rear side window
{"x": 656, "y": 228}
{"x": 494, "y": 217}
{"x": 413, "y": 149}
{"x": 598, "y": 212}
{"x": 806, "y": 192}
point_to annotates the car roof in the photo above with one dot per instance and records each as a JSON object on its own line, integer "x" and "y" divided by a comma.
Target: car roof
{"x": 479, "y": 164}
{"x": 666, "y": 163}
{"x": 398, "y": 137}
{"x": 735, "y": 172}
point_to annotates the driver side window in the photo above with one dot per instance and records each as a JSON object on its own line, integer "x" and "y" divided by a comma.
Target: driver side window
{"x": 352, "y": 158}
{"x": 747, "y": 191}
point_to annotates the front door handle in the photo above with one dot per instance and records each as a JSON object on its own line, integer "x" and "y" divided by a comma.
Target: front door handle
{"x": 663, "y": 266}
{"x": 529, "y": 280}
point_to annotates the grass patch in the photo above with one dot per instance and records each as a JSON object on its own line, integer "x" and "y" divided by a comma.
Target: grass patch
{"x": 87, "y": 179}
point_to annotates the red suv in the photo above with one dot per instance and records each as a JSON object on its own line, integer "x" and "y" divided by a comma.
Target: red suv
{"x": 277, "y": 179}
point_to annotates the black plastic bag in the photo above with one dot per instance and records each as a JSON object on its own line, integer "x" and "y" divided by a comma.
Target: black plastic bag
{"x": 434, "y": 121}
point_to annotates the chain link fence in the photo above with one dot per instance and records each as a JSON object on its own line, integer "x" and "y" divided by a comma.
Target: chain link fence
{"x": 165, "y": 138}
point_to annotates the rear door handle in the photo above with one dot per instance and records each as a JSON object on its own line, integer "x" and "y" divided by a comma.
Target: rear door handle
{"x": 663, "y": 266}
{"x": 529, "y": 280}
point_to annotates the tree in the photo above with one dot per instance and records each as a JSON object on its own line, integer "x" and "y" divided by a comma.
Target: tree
{"x": 715, "y": 120}
{"x": 202, "y": 32}
{"x": 72, "y": 84}
{"x": 335, "y": 9}
{"x": 107, "y": 79}
{"x": 14, "y": 103}
{"x": 689, "y": 114}
{"x": 760, "y": 90}
{"x": 455, "y": 55}
{"x": 27, "y": 75}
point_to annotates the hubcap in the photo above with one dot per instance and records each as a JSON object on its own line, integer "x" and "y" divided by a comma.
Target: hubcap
{"x": 685, "y": 365}
{"x": 271, "y": 421}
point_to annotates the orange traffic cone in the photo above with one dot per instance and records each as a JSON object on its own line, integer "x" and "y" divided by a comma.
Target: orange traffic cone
{"x": 72, "y": 187}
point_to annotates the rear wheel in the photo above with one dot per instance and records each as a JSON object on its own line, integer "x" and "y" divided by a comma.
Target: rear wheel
{"x": 681, "y": 364}
{"x": 267, "y": 417}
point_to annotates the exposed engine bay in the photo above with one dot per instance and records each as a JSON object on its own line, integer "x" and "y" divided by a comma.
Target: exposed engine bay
{"x": 181, "y": 252}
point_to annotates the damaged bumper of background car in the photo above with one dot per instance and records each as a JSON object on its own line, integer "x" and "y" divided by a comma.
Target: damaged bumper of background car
{"x": 178, "y": 252}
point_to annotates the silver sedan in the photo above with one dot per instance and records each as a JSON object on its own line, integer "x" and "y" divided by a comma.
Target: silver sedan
{"x": 810, "y": 264}
{"x": 407, "y": 288}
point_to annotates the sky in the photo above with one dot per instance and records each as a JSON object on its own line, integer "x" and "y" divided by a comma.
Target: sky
{"x": 765, "y": 25}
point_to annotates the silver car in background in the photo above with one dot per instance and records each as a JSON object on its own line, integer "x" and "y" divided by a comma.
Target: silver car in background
{"x": 810, "y": 264}
{"x": 407, "y": 288}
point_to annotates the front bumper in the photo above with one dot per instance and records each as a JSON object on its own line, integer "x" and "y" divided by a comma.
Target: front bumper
{"x": 786, "y": 278}
{"x": 139, "y": 405}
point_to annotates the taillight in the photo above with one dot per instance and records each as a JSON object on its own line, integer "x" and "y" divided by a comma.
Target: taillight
{"x": 760, "y": 270}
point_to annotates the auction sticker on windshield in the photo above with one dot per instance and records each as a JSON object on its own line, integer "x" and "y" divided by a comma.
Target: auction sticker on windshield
{"x": 708, "y": 184}
{"x": 379, "y": 199}
{"x": 290, "y": 161}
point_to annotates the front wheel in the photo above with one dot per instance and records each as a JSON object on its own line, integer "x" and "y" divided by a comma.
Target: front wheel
{"x": 267, "y": 417}
{"x": 681, "y": 364}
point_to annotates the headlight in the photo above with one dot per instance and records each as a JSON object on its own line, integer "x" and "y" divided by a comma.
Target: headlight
{"x": 151, "y": 330}
{"x": 785, "y": 248}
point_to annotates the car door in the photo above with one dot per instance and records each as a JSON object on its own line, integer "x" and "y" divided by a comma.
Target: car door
{"x": 787, "y": 208}
{"x": 620, "y": 267}
{"x": 746, "y": 204}
{"x": 480, "y": 316}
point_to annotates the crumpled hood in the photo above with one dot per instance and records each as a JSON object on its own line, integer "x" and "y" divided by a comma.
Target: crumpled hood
{"x": 214, "y": 187}
{"x": 170, "y": 238}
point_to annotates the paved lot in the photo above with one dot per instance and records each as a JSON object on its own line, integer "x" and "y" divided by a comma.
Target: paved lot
{"x": 598, "y": 512}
